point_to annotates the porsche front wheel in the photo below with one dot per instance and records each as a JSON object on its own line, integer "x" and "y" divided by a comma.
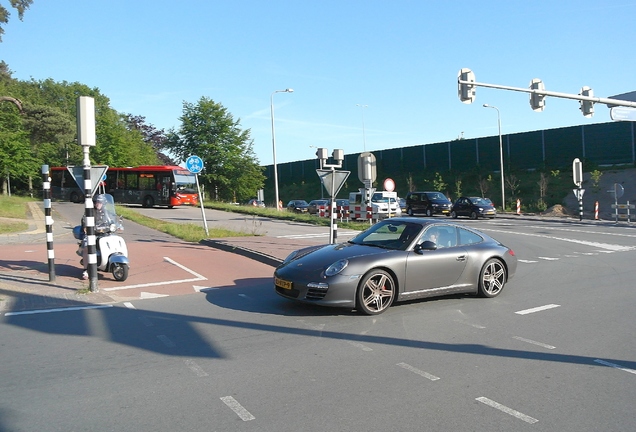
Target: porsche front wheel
{"x": 376, "y": 292}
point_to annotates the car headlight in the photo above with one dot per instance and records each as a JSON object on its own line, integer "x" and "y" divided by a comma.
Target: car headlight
{"x": 336, "y": 267}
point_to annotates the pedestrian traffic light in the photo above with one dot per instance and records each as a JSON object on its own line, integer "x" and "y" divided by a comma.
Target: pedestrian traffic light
{"x": 466, "y": 91}
{"x": 536, "y": 99}
{"x": 587, "y": 107}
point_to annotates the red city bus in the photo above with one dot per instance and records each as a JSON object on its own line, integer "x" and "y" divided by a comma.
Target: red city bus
{"x": 146, "y": 185}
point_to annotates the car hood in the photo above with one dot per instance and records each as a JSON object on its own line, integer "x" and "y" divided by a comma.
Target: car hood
{"x": 325, "y": 255}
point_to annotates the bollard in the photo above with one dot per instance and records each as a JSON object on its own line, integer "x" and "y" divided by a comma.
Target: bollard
{"x": 518, "y": 207}
{"x": 596, "y": 211}
{"x": 46, "y": 188}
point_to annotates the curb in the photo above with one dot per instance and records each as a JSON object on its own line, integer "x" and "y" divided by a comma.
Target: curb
{"x": 248, "y": 253}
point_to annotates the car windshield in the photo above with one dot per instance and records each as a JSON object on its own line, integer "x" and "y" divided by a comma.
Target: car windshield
{"x": 436, "y": 196}
{"x": 389, "y": 235}
{"x": 379, "y": 198}
{"x": 479, "y": 201}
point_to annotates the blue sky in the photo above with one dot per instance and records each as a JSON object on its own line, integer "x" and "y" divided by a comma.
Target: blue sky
{"x": 400, "y": 58}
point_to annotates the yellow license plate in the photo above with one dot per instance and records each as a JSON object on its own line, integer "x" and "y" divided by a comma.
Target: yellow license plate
{"x": 282, "y": 283}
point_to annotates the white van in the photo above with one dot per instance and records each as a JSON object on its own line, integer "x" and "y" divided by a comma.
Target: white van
{"x": 384, "y": 204}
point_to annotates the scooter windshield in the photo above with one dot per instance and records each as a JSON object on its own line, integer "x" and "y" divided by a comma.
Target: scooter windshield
{"x": 110, "y": 215}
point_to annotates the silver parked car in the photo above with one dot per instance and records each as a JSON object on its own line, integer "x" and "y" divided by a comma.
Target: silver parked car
{"x": 397, "y": 259}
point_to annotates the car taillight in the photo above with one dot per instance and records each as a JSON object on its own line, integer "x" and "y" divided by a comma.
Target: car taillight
{"x": 511, "y": 252}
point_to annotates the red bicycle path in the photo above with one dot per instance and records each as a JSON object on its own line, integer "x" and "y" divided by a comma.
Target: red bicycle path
{"x": 162, "y": 266}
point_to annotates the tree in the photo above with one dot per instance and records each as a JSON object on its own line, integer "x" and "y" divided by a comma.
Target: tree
{"x": 19, "y": 5}
{"x": 209, "y": 131}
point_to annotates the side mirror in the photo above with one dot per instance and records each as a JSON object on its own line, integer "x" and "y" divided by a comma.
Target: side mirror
{"x": 425, "y": 245}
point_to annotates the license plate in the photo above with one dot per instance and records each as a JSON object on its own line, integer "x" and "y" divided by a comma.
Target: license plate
{"x": 282, "y": 283}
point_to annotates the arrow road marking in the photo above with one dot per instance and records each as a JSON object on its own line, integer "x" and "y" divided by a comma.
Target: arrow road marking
{"x": 198, "y": 277}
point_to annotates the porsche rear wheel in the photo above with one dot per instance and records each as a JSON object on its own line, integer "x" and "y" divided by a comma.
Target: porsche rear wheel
{"x": 376, "y": 292}
{"x": 492, "y": 278}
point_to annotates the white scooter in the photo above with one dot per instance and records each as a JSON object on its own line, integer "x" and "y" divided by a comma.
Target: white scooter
{"x": 112, "y": 253}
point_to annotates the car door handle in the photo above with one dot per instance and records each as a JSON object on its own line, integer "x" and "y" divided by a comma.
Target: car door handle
{"x": 461, "y": 258}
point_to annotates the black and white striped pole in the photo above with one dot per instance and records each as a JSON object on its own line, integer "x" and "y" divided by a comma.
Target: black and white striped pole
{"x": 332, "y": 180}
{"x": 48, "y": 221}
{"x": 577, "y": 177}
{"x": 86, "y": 138}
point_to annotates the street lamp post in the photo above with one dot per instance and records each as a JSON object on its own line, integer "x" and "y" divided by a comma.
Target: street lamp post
{"x": 364, "y": 138}
{"x": 501, "y": 163}
{"x": 271, "y": 105}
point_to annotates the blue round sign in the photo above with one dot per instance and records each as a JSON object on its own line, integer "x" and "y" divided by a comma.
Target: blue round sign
{"x": 194, "y": 164}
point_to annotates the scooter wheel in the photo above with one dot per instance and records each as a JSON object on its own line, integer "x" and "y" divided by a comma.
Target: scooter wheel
{"x": 120, "y": 272}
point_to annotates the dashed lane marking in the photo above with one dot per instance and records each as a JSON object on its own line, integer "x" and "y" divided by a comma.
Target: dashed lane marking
{"x": 419, "y": 372}
{"x": 237, "y": 408}
{"x": 537, "y": 309}
{"x": 505, "y": 409}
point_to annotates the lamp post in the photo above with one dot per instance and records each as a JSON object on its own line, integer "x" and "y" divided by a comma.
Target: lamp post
{"x": 501, "y": 164}
{"x": 364, "y": 139}
{"x": 271, "y": 105}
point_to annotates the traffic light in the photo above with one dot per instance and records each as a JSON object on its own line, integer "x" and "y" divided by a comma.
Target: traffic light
{"x": 466, "y": 92}
{"x": 587, "y": 107}
{"x": 537, "y": 100}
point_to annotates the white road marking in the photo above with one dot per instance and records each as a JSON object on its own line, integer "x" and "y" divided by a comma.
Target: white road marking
{"x": 197, "y": 278}
{"x": 237, "y": 408}
{"x": 417, "y": 371}
{"x": 69, "y": 309}
{"x": 603, "y": 362}
{"x": 129, "y": 305}
{"x": 527, "y": 261}
{"x": 359, "y": 345}
{"x": 534, "y": 342}
{"x": 317, "y": 327}
{"x": 507, "y": 410}
{"x": 470, "y": 324}
{"x": 147, "y": 295}
{"x": 608, "y": 246}
{"x": 145, "y": 321}
{"x": 194, "y": 367}
{"x": 548, "y": 258}
{"x": 319, "y": 235}
{"x": 198, "y": 288}
{"x": 166, "y": 341}
{"x": 537, "y": 309}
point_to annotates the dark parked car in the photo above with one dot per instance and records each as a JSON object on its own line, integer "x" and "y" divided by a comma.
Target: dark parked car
{"x": 473, "y": 207}
{"x": 341, "y": 202}
{"x": 314, "y": 205}
{"x": 397, "y": 259}
{"x": 298, "y": 206}
{"x": 429, "y": 203}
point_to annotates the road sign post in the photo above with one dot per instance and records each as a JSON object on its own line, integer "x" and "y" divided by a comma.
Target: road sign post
{"x": 194, "y": 164}
{"x": 86, "y": 137}
{"x": 329, "y": 179}
{"x": 577, "y": 177}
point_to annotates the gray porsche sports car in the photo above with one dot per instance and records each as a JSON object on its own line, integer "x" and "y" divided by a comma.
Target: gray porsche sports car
{"x": 397, "y": 259}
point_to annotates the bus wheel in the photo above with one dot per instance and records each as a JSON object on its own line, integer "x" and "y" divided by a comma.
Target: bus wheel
{"x": 148, "y": 201}
{"x": 75, "y": 198}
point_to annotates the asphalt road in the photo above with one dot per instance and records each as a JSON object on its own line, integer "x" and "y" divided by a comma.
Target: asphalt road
{"x": 553, "y": 352}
